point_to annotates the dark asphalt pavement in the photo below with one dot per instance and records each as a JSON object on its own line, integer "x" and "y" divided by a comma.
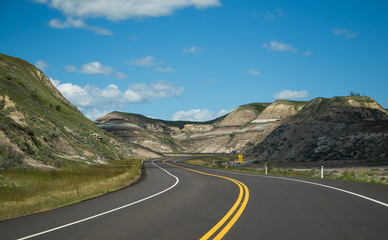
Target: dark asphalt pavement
{"x": 277, "y": 209}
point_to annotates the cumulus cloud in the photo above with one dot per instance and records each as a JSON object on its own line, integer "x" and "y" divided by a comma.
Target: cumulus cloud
{"x": 147, "y": 61}
{"x": 115, "y": 10}
{"x": 55, "y": 82}
{"x": 197, "y": 115}
{"x": 346, "y": 33}
{"x": 120, "y": 75}
{"x": 277, "y": 46}
{"x": 165, "y": 70}
{"x": 78, "y": 23}
{"x": 95, "y": 113}
{"x": 288, "y": 94}
{"x": 94, "y": 101}
{"x": 254, "y": 72}
{"x": 193, "y": 50}
{"x": 154, "y": 90}
{"x": 96, "y": 68}
{"x": 41, "y": 64}
{"x": 91, "y": 96}
{"x": 76, "y": 11}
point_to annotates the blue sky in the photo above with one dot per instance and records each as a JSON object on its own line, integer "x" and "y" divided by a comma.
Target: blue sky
{"x": 199, "y": 59}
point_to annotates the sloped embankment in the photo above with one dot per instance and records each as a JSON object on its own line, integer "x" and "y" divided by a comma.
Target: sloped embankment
{"x": 40, "y": 128}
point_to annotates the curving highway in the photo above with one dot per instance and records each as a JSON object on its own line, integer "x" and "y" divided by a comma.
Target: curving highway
{"x": 178, "y": 201}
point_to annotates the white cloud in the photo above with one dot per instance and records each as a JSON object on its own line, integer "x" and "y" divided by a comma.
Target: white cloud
{"x": 78, "y": 23}
{"x": 193, "y": 50}
{"x": 308, "y": 53}
{"x": 159, "y": 89}
{"x": 254, "y": 72}
{"x": 277, "y": 46}
{"x": 346, "y": 33}
{"x": 115, "y": 10}
{"x": 75, "y": 94}
{"x": 120, "y": 75}
{"x": 165, "y": 70}
{"x": 54, "y": 82}
{"x": 288, "y": 94}
{"x": 95, "y": 113}
{"x": 147, "y": 61}
{"x": 40, "y": 1}
{"x": 71, "y": 68}
{"x": 41, "y": 64}
{"x": 93, "y": 100}
{"x": 272, "y": 15}
{"x": 197, "y": 115}
{"x": 96, "y": 68}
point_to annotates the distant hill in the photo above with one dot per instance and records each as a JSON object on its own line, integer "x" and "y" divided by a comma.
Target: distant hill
{"x": 150, "y": 136}
{"x": 351, "y": 130}
{"x": 40, "y": 128}
{"x": 336, "y": 131}
{"x": 239, "y": 130}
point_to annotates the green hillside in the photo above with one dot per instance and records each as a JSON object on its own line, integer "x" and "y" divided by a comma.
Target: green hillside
{"x": 39, "y": 127}
{"x": 340, "y": 109}
{"x": 259, "y": 107}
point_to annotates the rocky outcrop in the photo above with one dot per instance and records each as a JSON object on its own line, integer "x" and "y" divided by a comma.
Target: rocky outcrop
{"x": 242, "y": 115}
{"x": 341, "y": 129}
{"x": 279, "y": 110}
{"x": 235, "y": 131}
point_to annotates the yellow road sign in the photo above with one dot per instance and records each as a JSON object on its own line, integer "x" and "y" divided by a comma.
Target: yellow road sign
{"x": 240, "y": 158}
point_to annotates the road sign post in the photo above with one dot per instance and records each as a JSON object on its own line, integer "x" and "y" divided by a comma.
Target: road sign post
{"x": 240, "y": 158}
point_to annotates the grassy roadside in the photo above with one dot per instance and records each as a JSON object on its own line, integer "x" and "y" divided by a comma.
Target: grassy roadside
{"x": 370, "y": 175}
{"x": 26, "y": 191}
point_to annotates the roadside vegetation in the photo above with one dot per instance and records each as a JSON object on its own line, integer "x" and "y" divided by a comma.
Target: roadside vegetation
{"x": 25, "y": 191}
{"x": 360, "y": 174}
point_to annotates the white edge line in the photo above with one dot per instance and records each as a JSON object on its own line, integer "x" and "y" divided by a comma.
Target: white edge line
{"x": 312, "y": 183}
{"x": 112, "y": 210}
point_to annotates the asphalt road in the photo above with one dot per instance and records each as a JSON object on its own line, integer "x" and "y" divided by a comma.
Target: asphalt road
{"x": 173, "y": 202}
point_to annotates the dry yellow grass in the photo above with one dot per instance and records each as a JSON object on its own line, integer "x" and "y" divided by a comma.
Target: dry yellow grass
{"x": 24, "y": 192}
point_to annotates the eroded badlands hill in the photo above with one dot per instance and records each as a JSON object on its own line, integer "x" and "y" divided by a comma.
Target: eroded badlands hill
{"x": 350, "y": 129}
{"x": 340, "y": 128}
{"x": 241, "y": 129}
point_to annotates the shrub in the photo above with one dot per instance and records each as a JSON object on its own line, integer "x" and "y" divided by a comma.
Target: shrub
{"x": 269, "y": 165}
{"x": 10, "y": 158}
{"x": 348, "y": 175}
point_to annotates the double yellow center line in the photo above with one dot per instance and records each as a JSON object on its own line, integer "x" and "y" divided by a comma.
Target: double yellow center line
{"x": 237, "y": 208}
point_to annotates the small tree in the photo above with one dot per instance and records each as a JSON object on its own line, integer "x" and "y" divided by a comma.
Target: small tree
{"x": 354, "y": 94}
